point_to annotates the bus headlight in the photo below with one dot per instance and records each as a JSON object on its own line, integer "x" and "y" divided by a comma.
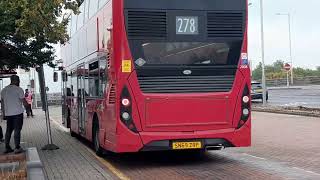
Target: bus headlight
{"x": 125, "y": 116}
{"x": 245, "y": 112}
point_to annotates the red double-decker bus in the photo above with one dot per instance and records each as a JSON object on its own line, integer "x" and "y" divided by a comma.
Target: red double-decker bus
{"x": 144, "y": 75}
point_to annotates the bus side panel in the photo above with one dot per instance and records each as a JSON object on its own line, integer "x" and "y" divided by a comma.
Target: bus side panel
{"x": 90, "y": 112}
{"x": 74, "y": 116}
{"x": 127, "y": 141}
{"x": 108, "y": 121}
{"x": 108, "y": 112}
{"x": 242, "y": 136}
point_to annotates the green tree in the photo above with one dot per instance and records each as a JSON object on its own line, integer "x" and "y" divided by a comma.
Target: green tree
{"x": 276, "y": 71}
{"x": 28, "y": 28}
{"x": 257, "y": 72}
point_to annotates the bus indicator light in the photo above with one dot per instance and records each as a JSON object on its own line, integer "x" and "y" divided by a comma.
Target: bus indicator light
{"x": 245, "y": 99}
{"x": 125, "y": 102}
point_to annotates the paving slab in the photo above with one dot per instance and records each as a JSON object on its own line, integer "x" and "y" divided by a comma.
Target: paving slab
{"x": 72, "y": 161}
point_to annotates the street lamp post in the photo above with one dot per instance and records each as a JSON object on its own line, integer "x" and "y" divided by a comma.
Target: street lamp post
{"x": 290, "y": 42}
{"x": 264, "y": 94}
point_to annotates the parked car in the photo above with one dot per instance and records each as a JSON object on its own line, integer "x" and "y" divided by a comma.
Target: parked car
{"x": 256, "y": 91}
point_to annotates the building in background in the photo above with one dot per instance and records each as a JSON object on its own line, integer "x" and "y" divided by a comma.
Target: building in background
{"x": 54, "y": 88}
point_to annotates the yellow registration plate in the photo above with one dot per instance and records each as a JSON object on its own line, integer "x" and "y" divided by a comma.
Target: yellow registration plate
{"x": 187, "y": 145}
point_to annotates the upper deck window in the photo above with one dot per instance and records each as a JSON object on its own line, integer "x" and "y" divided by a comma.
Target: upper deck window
{"x": 73, "y": 24}
{"x": 69, "y": 27}
{"x": 86, "y": 16}
{"x": 81, "y": 16}
{"x": 102, "y": 3}
{"x": 93, "y": 7}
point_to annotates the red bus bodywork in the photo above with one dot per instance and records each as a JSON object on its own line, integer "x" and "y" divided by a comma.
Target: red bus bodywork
{"x": 157, "y": 119}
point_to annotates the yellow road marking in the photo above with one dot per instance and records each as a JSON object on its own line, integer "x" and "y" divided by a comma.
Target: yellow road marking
{"x": 113, "y": 169}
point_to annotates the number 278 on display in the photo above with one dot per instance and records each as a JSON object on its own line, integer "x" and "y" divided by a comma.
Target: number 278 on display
{"x": 187, "y": 25}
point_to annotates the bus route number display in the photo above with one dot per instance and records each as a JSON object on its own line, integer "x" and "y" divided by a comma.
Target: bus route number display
{"x": 187, "y": 25}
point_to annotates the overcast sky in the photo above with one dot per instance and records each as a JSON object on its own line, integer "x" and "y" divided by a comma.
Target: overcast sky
{"x": 305, "y": 30}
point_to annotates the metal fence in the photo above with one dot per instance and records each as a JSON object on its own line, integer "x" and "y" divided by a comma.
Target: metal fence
{"x": 54, "y": 99}
{"x": 299, "y": 81}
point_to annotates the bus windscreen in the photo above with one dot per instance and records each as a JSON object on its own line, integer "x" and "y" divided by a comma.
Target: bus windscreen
{"x": 187, "y": 53}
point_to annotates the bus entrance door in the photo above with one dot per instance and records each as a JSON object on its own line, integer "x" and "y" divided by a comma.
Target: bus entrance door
{"x": 81, "y": 98}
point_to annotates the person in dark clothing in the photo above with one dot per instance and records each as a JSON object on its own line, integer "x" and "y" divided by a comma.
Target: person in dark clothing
{"x": 1, "y": 131}
{"x": 1, "y": 135}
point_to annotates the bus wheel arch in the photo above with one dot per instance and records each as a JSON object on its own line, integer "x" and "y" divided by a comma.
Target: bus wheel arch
{"x": 95, "y": 135}
{"x": 72, "y": 134}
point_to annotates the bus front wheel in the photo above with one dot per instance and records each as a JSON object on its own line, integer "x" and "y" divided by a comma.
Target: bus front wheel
{"x": 72, "y": 134}
{"x": 68, "y": 119}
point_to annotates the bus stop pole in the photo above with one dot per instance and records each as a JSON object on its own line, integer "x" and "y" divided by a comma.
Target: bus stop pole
{"x": 264, "y": 94}
{"x": 44, "y": 99}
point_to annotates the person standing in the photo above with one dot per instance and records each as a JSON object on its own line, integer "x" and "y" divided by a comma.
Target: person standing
{"x": 28, "y": 97}
{"x": 1, "y": 132}
{"x": 1, "y": 135}
{"x": 12, "y": 101}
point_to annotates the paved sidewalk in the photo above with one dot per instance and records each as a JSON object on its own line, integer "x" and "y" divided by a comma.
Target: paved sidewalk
{"x": 72, "y": 161}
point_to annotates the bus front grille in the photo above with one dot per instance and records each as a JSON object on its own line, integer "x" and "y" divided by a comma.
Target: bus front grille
{"x": 225, "y": 24}
{"x": 186, "y": 84}
{"x": 146, "y": 24}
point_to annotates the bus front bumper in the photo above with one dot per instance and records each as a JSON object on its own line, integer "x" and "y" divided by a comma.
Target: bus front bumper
{"x": 159, "y": 141}
{"x": 215, "y": 138}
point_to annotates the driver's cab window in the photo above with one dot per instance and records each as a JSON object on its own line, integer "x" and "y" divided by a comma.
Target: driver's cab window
{"x": 103, "y": 75}
{"x": 94, "y": 79}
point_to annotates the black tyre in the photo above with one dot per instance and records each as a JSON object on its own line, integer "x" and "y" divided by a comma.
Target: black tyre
{"x": 68, "y": 119}
{"x": 95, "y": 140}
{"x": 72, "y": 134}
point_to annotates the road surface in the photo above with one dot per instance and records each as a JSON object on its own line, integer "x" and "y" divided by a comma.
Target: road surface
{"x": 284, "y": 147}
{"x": 308, "y": 96}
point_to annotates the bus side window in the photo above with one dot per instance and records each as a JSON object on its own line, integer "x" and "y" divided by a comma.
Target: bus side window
{"x": 103, "y": 75}
{"x": 94, "y": 79}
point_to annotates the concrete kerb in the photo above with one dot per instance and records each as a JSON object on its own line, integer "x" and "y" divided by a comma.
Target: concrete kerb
{"x": 284, "y": 88}
{"x": 294, "y": 87}
{"x": 34, "y": 165}
{"x": 283, "y": 110}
